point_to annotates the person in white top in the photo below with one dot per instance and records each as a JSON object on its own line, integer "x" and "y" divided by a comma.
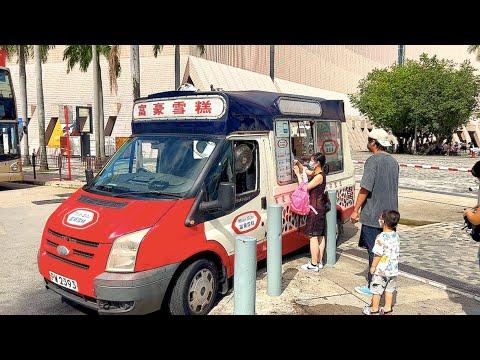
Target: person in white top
{"x": 384, "y": 267}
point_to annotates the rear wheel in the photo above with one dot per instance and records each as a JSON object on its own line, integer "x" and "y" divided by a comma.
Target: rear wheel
{"x": 195, "y": 290}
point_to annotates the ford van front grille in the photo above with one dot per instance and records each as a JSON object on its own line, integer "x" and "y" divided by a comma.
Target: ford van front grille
{"x": 71, "y": 239}
{"x": 71, "y": 262}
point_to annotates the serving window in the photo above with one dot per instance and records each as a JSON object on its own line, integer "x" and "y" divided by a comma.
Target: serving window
{"x": 299, "y": 139}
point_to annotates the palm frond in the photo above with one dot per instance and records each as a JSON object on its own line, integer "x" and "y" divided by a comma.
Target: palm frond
{"x": 474, "y": 49}
{"x": 157, "y": 49}
{"x": 10, "y": 49}
{"x": 114, "y": 67}
{"x": 44, "y": 49}
{"x": 202, "y": 49}
{"x": 78, "y": 54}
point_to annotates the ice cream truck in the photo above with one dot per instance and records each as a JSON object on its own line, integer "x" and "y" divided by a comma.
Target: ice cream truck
{"x": 156, "y": 227}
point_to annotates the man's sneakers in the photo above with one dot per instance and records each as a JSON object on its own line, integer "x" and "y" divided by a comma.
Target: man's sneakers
{"x": 364, "y": 290}
{"x": 310, "y": 267}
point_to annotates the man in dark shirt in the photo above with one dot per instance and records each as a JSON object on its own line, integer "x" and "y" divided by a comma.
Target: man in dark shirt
{"x": 378, "y": 192}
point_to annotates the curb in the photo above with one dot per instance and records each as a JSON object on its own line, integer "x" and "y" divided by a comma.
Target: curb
{"x": 431, "y": 167}
{"x": 65, "y": 184}
{"x": 55, "y": 183}
{"x": 420, "y": 279}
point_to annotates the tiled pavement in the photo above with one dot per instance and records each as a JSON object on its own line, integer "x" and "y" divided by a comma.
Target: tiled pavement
{"x": 440, "y": 252}
{"x": 452, "y": 161}
{"x": 427, "y": 179}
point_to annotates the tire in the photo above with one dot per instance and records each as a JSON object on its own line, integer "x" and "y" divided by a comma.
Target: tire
{"x": 203, "y": 276}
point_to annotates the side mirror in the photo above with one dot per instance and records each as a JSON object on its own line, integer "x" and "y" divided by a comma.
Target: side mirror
{"x": 226, "y": 199}
{"x": 89, "y": 177}
{"x": 226, "y": 196}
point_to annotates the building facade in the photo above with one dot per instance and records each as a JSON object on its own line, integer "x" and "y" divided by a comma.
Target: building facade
{"x": 330, "y": 71}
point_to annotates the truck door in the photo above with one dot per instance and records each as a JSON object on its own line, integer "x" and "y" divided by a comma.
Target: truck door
{"x": 248, "y": 170}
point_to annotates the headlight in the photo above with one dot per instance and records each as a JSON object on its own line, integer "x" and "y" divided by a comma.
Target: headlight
{"x": 14, "y": 167}
{"x": 123, "y": 254}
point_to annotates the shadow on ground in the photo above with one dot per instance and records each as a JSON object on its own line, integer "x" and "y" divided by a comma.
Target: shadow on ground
{"x": 326, "y": 309}
{"x": 469, "y": 306}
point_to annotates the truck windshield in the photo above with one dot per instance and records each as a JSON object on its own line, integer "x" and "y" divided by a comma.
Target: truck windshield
{"x": 154, "y": 167}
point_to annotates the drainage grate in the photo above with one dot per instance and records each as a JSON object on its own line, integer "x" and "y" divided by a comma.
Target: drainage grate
{"x": 46, "y": 202}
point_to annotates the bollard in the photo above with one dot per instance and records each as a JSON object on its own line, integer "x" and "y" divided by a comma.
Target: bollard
{"x": 245, "y": 275}
{"x": 332, "y": 229}
{"x": 60, "y": 166}
{"x": 34, "y": 157}
{"x": 274, "y": 250}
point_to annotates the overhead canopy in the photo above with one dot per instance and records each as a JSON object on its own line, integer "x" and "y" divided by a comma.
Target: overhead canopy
{"x": 205, "y": 74}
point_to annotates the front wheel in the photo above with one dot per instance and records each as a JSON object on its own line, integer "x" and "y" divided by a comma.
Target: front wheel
{"x": 195, "y": 290}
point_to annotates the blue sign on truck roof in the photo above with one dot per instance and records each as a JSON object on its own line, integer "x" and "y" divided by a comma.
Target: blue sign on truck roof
{"x": 223, "y": 113}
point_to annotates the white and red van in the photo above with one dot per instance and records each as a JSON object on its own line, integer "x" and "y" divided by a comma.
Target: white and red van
{"x": 157, "y": 225}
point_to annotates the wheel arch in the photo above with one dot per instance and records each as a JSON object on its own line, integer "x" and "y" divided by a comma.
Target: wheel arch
{"x": 208, "y": 255}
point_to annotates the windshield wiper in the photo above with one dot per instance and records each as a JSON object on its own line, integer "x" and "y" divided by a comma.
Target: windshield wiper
{"x": 108, "y": 188}
{"x": 156, "y": 193}
{"x": 103, "y": 188}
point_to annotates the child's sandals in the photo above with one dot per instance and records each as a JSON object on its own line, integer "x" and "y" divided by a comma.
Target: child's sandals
{"x": 383, "y": 312}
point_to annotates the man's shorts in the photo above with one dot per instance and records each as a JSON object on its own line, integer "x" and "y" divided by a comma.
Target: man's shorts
{"x": 380, "y": 284}
{"x": 368, "y": 234}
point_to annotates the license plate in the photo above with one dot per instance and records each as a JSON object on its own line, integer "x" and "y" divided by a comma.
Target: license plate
{"x": 63, "y": 281}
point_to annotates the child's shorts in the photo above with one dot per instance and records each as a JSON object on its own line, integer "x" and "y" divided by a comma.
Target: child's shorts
{"x": 379, "y": 284}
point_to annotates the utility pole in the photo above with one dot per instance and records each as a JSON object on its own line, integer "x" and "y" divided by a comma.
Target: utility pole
{"x": 401, "y": 61}
{"x": 272, "y": 62}
{"x": 401, "y": 54}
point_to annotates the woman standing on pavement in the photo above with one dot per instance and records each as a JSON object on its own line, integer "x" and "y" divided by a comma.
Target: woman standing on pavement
{"x": 315, "y": 226}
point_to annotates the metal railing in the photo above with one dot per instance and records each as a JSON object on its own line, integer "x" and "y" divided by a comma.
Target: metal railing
{"x": 58, "y": 163}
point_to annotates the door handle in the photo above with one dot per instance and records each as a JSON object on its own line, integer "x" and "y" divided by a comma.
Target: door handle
{"x": 264, "y": 203}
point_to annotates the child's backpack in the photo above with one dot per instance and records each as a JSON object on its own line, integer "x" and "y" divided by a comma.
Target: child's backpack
{"x": 300, "y": 200}
{"x": 472, "y": 230}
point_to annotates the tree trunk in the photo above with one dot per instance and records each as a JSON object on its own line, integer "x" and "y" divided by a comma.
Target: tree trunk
{"x": 23, "y": 96}
{"x": 96, "y": 102}
{"x": 101, "y": 113}
{"x": 40, "y": 108}
{"x": 177, "y": 66}
{"x": 272, "y": 62}
{"x": 135, "y": 68}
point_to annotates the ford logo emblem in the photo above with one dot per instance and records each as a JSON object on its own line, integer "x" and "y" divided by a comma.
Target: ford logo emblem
{"x": 62, "y": 250}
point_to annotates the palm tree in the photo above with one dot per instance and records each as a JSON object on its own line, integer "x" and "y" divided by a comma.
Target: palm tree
{"x": 135, "y": 69}
{"x": 83, "y": 56}
{"x": 40, "y": 55}
{"x": 158, "y": 48}
{"x": 473, "y": 49}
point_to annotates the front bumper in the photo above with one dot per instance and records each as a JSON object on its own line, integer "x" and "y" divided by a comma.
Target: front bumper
{"x": 134, "y": 293}
{"x": 11, "y": 176}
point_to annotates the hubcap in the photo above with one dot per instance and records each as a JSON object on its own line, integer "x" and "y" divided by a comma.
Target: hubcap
{"x": 200, "y": 293}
